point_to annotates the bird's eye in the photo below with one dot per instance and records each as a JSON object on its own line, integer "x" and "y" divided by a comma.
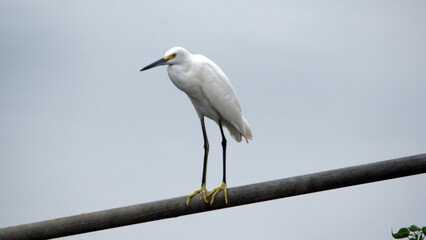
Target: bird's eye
{"x": 174, "y": 54}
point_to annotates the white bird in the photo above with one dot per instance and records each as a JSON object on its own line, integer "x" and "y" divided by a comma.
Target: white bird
{"x": 213, "y": 96}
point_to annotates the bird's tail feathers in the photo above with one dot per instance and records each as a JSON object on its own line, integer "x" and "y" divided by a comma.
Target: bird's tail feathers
{"x": 247, "y": 131}
{"x": 238, "y": 134}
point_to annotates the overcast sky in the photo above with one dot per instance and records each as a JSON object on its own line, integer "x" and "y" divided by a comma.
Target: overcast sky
{"x": 324, "y": 85}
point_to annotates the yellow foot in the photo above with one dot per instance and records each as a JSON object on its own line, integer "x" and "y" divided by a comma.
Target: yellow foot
{"x": 202, "y": 190}
{"x": 216, "y": 191}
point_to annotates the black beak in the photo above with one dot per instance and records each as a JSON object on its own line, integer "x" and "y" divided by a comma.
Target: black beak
{"x": 162, "y": 61}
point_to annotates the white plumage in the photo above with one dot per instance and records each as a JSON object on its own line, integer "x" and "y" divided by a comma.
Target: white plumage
{"x": 213, "y": 96}
{"x": 209, "y": 90}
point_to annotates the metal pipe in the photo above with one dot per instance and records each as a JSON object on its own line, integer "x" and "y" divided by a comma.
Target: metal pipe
{"x": 237, "y": 196}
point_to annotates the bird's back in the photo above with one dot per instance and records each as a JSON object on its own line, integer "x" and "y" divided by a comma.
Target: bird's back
{"x": 211, "y": 93}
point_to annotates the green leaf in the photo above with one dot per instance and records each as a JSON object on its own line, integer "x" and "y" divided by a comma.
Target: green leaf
{"x": 402, "y": 233}
{"x": 414, "y": 228}
{"x": 424, "y": 230}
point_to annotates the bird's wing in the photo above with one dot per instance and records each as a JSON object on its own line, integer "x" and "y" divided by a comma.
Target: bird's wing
{"x": 218, "y": 90}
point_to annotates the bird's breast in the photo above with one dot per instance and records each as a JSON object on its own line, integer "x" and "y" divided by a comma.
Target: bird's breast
{"x": 191, "y": 82}
{"x": 184, "y": 79}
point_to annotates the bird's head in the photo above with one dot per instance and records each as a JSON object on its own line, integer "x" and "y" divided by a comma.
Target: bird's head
{"x": 174, "y": 55}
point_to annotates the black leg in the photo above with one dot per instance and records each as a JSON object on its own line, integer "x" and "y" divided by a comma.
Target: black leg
{"x": 206, "y": 153}
{"x": 224, "y": 151}
{"x": 203, "y": 189}
{"x": 223, "y": 186}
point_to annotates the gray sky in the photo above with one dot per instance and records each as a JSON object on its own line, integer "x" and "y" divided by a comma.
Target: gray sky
{"x": 324, "y": 85}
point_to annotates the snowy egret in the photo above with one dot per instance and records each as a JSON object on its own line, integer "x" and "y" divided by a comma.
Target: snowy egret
{"x": 213, "y": 96}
